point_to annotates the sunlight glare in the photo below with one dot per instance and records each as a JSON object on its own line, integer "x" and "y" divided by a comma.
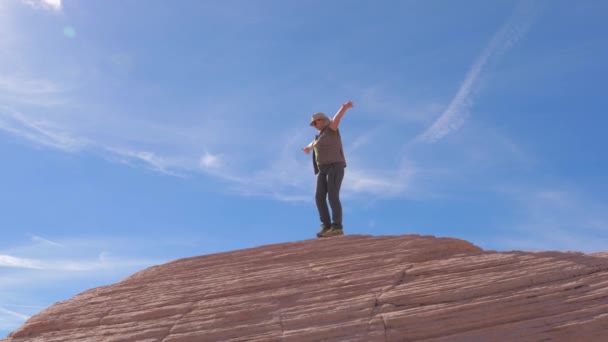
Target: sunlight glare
{"x": 69, "y": 32}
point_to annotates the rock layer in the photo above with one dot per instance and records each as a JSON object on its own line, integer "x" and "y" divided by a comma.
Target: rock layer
{"x": 349, "y": 288}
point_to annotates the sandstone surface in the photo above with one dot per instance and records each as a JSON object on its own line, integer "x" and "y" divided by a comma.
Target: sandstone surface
{"x": 349, "y": 288}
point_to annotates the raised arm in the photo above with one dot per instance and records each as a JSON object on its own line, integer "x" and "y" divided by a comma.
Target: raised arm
{"x": 336, "y": 120}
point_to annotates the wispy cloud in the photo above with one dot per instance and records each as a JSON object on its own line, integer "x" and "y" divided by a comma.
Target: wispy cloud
{"x": 217, "y": 140}
{"x": 100, "y": 262}
{"x": 41, "y": 240}
{"x": 30, "y": 91}
{"x": 553, "y": 218}
{"x": 455, "y": 114}
{"x": 381, "y": 183}
{"x": 39, "y": 265}
{"x": 211, "y": 161}
{"x": 10, "y": 320}
{"x": 11, "y": 261}
{"x": 167, "y": 165}
{"x": 208, "y": 143}
{"x": 28, "y": 87}
{"x": 67, "y": 256}
{"x": 212, "y": 147}
{"x": 285, "y": 175}
{"x": 39, "y": 131}
{"x": 14, "y": 314}
{"x": 45, "y": 4}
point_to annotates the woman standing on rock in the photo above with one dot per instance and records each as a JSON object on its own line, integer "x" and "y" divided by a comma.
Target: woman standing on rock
{"x": 329, "y": 163}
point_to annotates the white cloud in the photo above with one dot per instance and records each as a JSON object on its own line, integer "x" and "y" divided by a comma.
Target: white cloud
{"x": 45, "y": 4}
{"x": 14, "y": 314}
{"x": 82, "y": 255}
{"x": 81, "y": 265}
{"x": 10, "y": 320}
{"x": 28, "y": 87}
{"x": 41, "y": 240}
{"x": 10, "y": 261}
{"x": 55, "y": 4}
{"x": 365, "y": 139}
{"x": 32, "y": 270}
{"x": 379, "y": 183}
{"x": 34, "y": 273}
{"x": 174, "y": 143}
{"x": 39, "y": 131}
{"x": 281, "y": 171}
{"x": 284, "y": 176}
{"x": 30, "y": 91}
{"x": 50, "y": 114}
{"x": 210, "y": 161}
{"x": 455, "y": 114}
{"x": 364, "y": 183}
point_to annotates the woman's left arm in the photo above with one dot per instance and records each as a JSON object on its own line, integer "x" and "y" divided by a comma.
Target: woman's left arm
{"x": 336, "y": 120}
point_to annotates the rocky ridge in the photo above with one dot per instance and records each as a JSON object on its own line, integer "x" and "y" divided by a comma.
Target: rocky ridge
{"x": 349, "y": 288}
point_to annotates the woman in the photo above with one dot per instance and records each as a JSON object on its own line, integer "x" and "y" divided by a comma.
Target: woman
{"x": 329, "y": 163}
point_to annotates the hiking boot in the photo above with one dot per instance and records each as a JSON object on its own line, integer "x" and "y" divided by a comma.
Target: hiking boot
{"x": 334, "y": 231}
{"x": 324, "y": 229}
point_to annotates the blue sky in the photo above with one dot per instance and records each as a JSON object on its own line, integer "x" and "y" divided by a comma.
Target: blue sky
{"x": 133, "y": 134}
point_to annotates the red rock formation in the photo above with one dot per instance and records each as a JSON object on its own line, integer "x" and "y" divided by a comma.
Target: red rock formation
{"x": 349, "y": 288}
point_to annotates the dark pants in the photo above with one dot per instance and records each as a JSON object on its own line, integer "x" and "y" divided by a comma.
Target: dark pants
{"x": 329, "y": 180}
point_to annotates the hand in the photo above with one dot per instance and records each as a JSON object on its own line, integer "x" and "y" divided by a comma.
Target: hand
{"x": 307, "y": 149}
{"x": 348, "y": 105}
